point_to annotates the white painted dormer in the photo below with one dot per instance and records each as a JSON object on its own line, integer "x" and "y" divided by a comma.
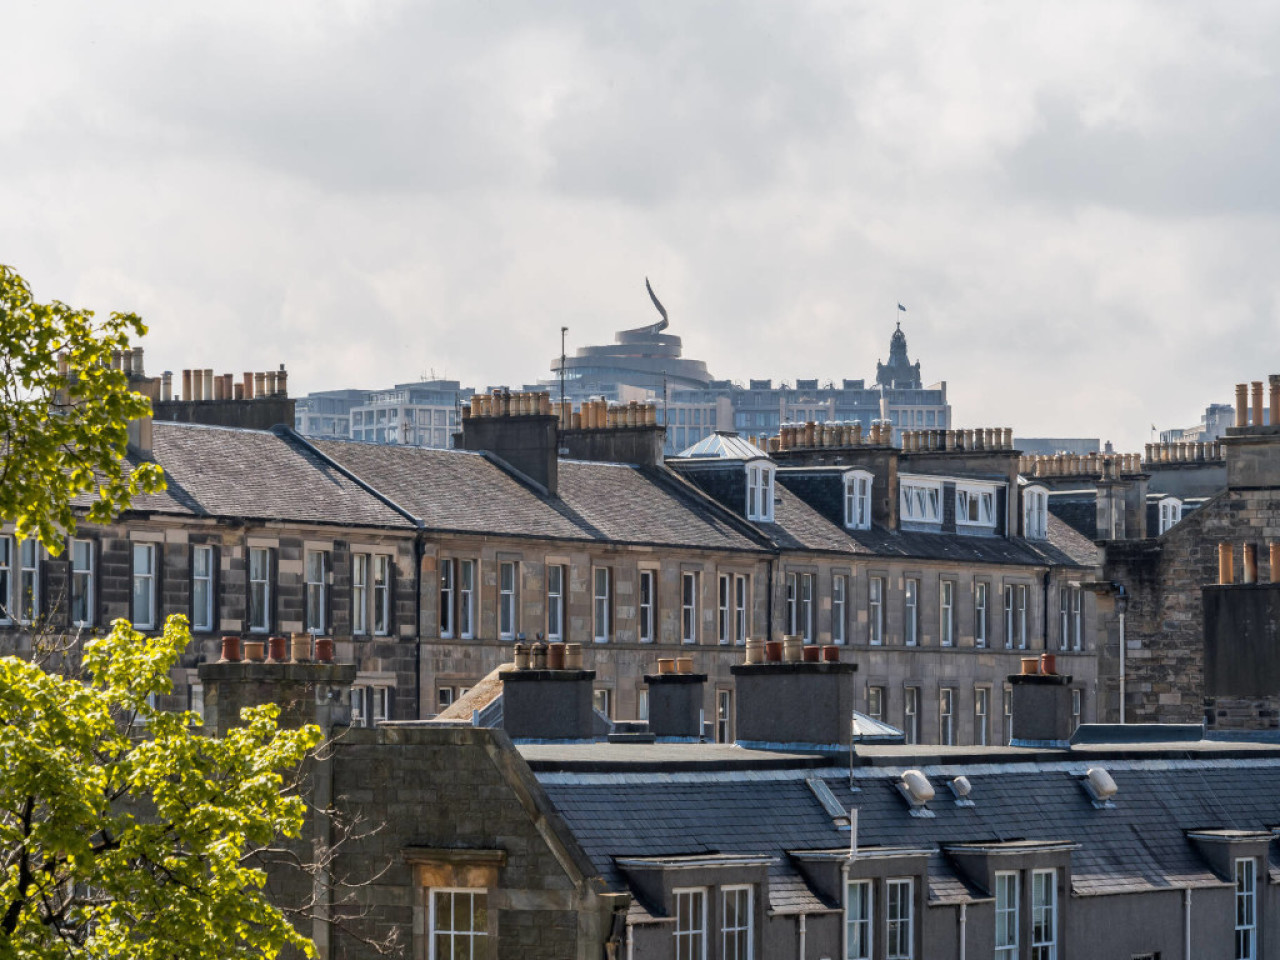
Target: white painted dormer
{"x": 1035, "y": 512}
{"x": 760, "y": 490}
{"x": 920, "y": 499}
{"x": 857, "y": 500}
{"x": 976, "y": 505}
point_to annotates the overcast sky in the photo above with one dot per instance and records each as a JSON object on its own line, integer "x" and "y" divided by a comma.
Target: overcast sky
{"x": 1078, "y": 203}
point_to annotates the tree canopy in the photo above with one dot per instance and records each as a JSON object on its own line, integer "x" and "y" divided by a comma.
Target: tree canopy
{"x": 125, "y": 832}
{"x": 64, "y": 422}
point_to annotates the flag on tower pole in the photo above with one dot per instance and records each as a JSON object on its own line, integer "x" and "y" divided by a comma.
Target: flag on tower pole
{"x": 902, "y": 308}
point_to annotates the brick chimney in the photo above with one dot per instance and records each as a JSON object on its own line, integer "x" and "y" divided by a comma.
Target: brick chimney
{"x": 802, "y": 706}
{"x": 516, "y": 428}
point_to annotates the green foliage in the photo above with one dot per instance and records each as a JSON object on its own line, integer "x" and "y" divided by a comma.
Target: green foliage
{"x": 62, "y": 436}
{"x": 125, "y": 832}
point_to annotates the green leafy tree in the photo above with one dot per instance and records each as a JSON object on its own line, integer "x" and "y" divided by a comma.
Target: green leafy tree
{"x": 124, "y": 832}
{"x": 64, "y": 414}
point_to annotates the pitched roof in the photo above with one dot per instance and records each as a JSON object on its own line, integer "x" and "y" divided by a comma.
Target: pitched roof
{"x": 460, "y": 491}
{"x": 722, "y": 446}
{"x": 1138, "y": 844}
{"x": 255, "y": 474}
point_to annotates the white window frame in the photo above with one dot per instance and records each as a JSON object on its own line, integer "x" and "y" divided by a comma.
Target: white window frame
{"x": 946, "y": 613}
{"x": 981, "y": 597}
{"x": 1246, "y": 903}
{"x": 7, "y": 580}
{"x": 724, "y": 716}
{"x": 555, "y": 602}
{"x": 981, "y": 715}
{"x": 911, "y": 714}
{"x": 447, "y": 594}
{"x": 1064, "y": 622}
{"x": 378, "y": 699}
{"x": 690, "y": 933}
{"x": 1077, "y": 707}
{"x": 202, "y": 614}
{"x": 857, "y": 500}
{"x": 508, "y": 610}
{"x": 316, "y": 591}
{"x": 1015, "y": 616}
{"x": 601, "y": 594}
{"x": 875, "y": 611}
{"x": 920, "y": 500}
{"x": 29, "y": 571}
{"x": 911, "y": 612}
{"x": 359, "y": 715}
{"x": 466, "y": 599}
{"x": 1077, "y": 618}
{"x": 360, "y": 595}
{"x": 736, "y": 936}
{"x": 380, "y": 594}
{"x": 83, "y": 581}
{"x": 1006, "y": 698}
{"x": 860, "y": 920}
{"x": 1170, "y": 512}
{"x": 976, "y": 505}
{"x": 724, "y": 608}
{"x": 476, "y": 941}
{"x": 148, "y": 578}
{"x": 1035, "y": 513}
{"x": 760, "y": 492}
{"x": 1005, "y": 935}
{"x": 261, "y": 584}
{"x": 689, "y": 607}
{"x": 839, "y": 606}
{"x": 806, "y": 607}
{"x": 947, "y": 716}
{"x": 741, "y": 603}
{"x": 900, "y": 918}
{"x": 875, "y": 703}
{"x": 1044, "y": 914}
{"x": 647, "y": 625}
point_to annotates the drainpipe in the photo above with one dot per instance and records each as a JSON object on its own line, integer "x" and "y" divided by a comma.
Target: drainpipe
{"x": 802, "y": 931}
{"x": 1186, "y": 935}
{"x": 1044, "y": 612}
{"x": 964, "y": 919}
{"x": 1122, "y": 603}
{"x": 769, "y": 602}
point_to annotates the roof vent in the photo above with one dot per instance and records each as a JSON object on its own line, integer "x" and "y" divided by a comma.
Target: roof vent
{"x": 1100, "y": 787}
{"x": 960, "y": 789}
{"x": 917, "y": 791}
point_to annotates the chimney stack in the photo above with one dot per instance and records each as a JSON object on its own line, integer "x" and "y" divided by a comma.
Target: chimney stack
{"x": 542, "y": 704}
{"x": 800, "y": 706}
{"x": 675, "y": 705}
{"x": 1041, "y": 710}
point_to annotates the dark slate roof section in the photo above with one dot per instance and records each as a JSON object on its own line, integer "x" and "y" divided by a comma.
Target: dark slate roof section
{"x": 798, "y": 526}
{"x": 1139, "y": 844}
{"x": 256, "y": 475}
{"x": 463, "y": 492}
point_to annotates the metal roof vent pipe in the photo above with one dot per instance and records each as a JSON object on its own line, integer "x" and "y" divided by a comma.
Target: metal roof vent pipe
{"x": 1100, "y": 787}
{"x": 917, "y": 791}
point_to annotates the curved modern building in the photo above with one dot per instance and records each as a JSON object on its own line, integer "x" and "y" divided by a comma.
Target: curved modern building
{"x": 643, "y": 357}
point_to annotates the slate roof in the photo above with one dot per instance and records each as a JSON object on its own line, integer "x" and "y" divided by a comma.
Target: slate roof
{"x": 1139, "y": 844}
{"x": 465, "y": 492}
{"x": 255, "y": 474}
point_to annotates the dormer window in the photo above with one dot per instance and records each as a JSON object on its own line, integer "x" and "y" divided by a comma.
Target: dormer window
{"x": 760, "y": 492}
{"x": 1170, "y": 512}
{"x": 857, "y": 500}
{"x": 975, "y": 506}
{"x": 1035, "y": 513}
{"x": 921, "y": 500}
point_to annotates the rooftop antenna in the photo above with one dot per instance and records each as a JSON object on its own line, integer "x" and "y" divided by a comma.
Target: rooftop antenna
{"x": 564, "y": 415}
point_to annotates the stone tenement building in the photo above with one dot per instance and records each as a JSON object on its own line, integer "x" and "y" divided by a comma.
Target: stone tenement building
{"x": 537, "y": 844}
{"x": 1194, "y": 650}
{"x": 426, "y": 566}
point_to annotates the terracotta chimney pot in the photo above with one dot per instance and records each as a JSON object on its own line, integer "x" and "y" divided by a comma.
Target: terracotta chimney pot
{"x": 1226, "y": 564}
